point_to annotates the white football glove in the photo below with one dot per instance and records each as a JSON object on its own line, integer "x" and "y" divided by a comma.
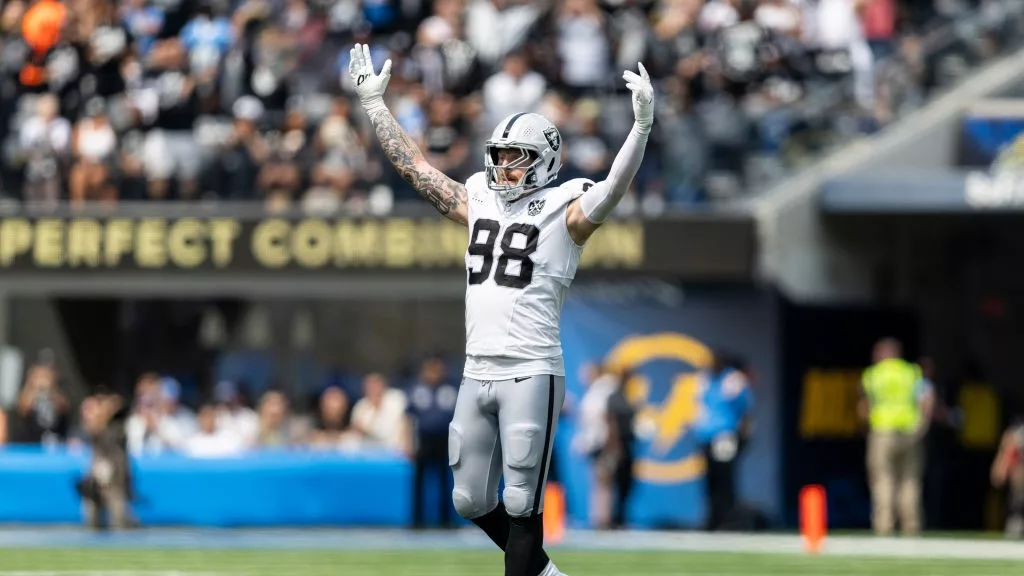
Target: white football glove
{"x": 369, "y": 85}
{"x": 643, "y": 97}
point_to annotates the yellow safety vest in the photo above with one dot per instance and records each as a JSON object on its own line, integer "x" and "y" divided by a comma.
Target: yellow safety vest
{"x": 891, "y": 388}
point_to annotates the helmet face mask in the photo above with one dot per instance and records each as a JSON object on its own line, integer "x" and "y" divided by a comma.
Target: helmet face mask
{"x": 526, "y": 159}
{"x": 533, "y": 143}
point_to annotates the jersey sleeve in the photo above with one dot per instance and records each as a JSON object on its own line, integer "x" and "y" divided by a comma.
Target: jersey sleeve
{"x": 476, "y": 190}
{"x": 576, "y": 187}
{"x": 476, "y": 182}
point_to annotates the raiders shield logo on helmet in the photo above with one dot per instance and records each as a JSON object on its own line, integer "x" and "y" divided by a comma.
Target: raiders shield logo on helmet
{"x": 535, "y": 207}
{"x": 554, "y": 140}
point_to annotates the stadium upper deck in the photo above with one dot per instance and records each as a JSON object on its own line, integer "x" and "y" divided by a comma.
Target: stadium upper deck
{"x": 248, "y": 99}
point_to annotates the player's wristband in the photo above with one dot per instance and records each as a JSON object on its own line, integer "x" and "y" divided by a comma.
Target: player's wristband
{"x": 374, "y": 105}
{"x": 643, "y": 125}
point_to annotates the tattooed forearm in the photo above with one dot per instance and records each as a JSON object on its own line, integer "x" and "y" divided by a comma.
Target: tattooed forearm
{"x": 446, "y": 195}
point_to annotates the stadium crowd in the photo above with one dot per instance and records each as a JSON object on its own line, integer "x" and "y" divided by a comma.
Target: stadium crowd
{"x": 107, "y": 100}
{"x": 376, "y": 416}
{"x": 406, "y": 414}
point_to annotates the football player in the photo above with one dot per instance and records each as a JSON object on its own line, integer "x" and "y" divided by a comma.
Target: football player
{"x": 526, "y": 236}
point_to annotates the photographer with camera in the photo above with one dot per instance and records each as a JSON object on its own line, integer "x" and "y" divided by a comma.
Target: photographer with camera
{"x": 106, "y": 488}
{"x": 42, "y": 407}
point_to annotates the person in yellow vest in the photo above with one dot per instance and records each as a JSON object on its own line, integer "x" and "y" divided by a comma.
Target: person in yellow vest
{"x": 897, "y": 403}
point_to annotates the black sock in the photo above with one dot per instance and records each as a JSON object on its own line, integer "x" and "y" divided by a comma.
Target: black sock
{"x": 498, "y": 528}
{"x": 525, "y": 546}
{"x": 495, "y": 525}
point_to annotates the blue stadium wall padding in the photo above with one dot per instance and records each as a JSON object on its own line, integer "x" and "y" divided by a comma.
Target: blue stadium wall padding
{"x": 266, "y": 489}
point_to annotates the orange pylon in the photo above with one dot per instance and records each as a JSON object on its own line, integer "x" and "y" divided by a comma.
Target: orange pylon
{"x": 813, "y": 517}
{"x": 554, "y": 513}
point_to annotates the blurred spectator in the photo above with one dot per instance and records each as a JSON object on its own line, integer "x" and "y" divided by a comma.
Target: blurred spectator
{"x": 87, "y": 410}
{"x": 379, "y": 416}
{"x": 108, "y": 46}
{"x": 210, "y": 440}
{"x": 79, "y": 435}
{"x": 170, "y": 397}
{"x": 94, "y": 150}
{"x": 1008, "y": 470}
{"x": 280, "y": 179}
{"x": 516, "y": 88}
{"x": 144, "y": 21}
{"x": 445, "y": 61}
{"x": 587, "y": 151}
{"x": 901, "y": 81}
{"x": 591, "y": 439}
{"x": 233, "y": 413}
{"x": 897, "y": 402}
{"x": 42, "y": 28}
{"x": 620, "y": 416}
{"x": 3, "y": 427}
{"x": 206, "y": 39}
{"x": 780, "y": 16}
{"x": 168, "y": 101}
{"x": 445, "y": 146}
{"x": 834, "y": 29}
{"x": 430, "y": 410}
{"x": 581, "y": 32}
{"x": 233, "y": 174}
{"x": 496, "y": 27}
{"x": 156, "y": 425}
{"x": 42, "y": 407}
{"x": 339, "y": 157}
{"x": 879, "y": 20}
{"x": 332, "y": 419}
{"x": 44, "y": 144}
{"x": 722, "y": 429}
{"x": 276, "y": 427}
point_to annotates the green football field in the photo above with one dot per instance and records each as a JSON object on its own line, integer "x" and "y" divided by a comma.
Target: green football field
{"x": 135, "y": 562}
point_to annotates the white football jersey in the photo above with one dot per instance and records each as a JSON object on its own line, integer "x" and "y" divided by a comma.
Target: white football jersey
{"x": 520, "y": 263}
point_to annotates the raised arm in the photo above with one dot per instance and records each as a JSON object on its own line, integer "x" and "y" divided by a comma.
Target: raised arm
{"x": 586, "y": 214}
{"x": 443, "y": 193}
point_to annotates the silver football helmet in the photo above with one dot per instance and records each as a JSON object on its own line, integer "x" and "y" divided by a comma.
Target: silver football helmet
{"x": 539, "y": 147}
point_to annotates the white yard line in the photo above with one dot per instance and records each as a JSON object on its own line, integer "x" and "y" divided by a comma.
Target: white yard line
{"x": 110, "y": 573}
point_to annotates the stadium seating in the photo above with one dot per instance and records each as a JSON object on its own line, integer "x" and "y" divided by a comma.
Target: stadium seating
{"x": 267, "y": 116}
